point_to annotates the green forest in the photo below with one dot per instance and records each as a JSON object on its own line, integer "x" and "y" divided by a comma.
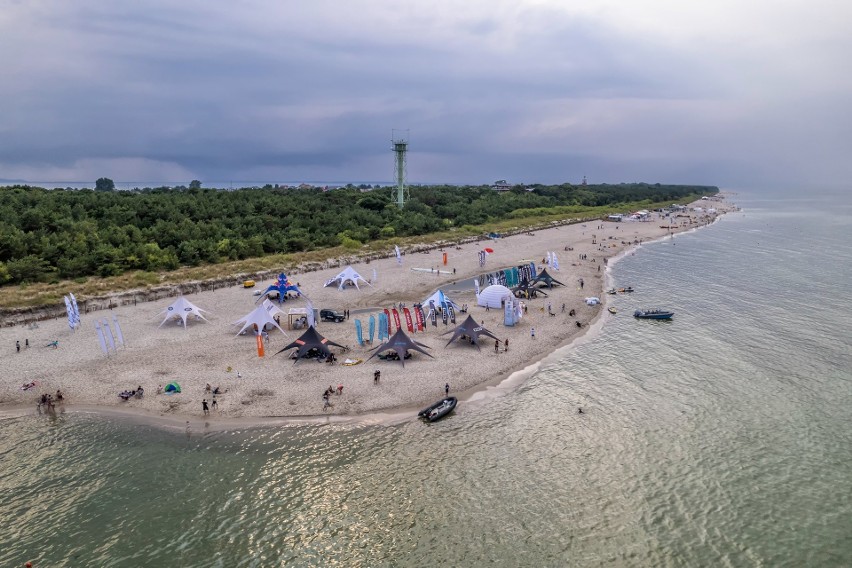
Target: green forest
{"x": 49, "y": 235}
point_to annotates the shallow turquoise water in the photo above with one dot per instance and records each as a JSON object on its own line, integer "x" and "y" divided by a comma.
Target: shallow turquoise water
{"x": 721, "y": 438}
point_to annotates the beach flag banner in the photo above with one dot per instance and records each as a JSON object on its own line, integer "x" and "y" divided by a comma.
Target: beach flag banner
{"x": 372, "y": 327}
{"x": 408, "y": 323}
{"x": 434, "y": 313}
{"x": 387, "y": 318}
{"x": 101, "y": 339}
{"x": 384, "y": 332}
{"x": 452, "y": 312}
{"x": 445, "y": 259}
{"x": 444, "y": 315}
{"x": 108, "y": 335}
{"x": 419, "y": 317}
{"x": 76, "y": 310}
{"x": 358, "y": 334}
{"x": 310, "y": 315}
{"x": 375, "y": 276}
{"x": 118, "y": 334}
{"x": 398, "y": 254}
{"x": 396, "y": 319}
{"x": 555, "y": 262}
{"x": 476, "y": 286}
{"x": 70, "y": 312}
{"x": 259, "y": 338}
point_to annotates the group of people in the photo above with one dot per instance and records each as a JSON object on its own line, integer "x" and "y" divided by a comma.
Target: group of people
{"x": 327, "y": 394}
{"x": 128, "y": 394}
{"x": 214, "y": 390}
{"x": 48, "y": 401}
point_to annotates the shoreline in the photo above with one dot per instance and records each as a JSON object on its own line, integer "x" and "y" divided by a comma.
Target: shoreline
{"x": 272, "y": 386}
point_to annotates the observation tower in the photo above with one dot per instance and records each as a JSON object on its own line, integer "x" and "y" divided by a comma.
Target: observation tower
{"x": 399, "y": 139}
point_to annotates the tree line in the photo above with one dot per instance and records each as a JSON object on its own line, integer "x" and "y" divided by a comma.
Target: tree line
{"x": 47, "y": 235}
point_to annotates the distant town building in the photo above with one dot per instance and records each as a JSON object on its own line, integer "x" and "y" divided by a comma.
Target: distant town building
{"x": 501, "y": 185}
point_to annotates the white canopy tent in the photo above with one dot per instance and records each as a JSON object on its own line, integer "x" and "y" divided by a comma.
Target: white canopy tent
{"x": 493, "y": 296}
{"x": 440, "y": 299}
{"x": 182, "y": 308}
{"x": 261, "y": 316}
{"x": 348, "y": 276}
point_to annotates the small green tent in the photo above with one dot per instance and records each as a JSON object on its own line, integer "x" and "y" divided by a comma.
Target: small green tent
{"x": 172, "y": 388}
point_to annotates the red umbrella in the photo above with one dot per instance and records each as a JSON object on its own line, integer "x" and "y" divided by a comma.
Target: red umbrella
{"x": 489, "y": 251}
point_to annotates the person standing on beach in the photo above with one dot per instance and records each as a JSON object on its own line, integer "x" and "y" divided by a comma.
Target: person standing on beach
{"x": 447, "y": 389}
{"x": 532, "y": 332}
{"x": 18, "y": 346}
{"x": 506, "y": 345}
{"x": 376, "y": 376}
{"x": 214, "y": 404}
{"x": 204, "y": 407}
{"x": 496, "y": 346}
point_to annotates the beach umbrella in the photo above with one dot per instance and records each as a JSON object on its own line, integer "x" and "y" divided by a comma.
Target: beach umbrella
{"x": 172, "y": 388}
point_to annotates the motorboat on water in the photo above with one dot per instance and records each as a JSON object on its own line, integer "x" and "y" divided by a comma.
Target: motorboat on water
{"x": 439, "y": 409}
{"x": 654, "y": 314}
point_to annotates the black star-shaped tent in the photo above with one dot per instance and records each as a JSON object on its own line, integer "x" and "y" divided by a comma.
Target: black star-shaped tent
{"x": 527, "y": 290}
{"x": 400, "y": 343}
{"x": 311, "y": 340}
{"x": 546, "y": 278}
{"x": 470, "y": 329}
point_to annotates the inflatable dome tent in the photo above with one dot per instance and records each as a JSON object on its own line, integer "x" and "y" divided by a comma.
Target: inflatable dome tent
{"x": 493, "y": 296}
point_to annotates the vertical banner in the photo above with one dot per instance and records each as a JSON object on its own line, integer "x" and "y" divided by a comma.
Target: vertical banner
{"x": 118, "y": 333}
{"x": 434, "y": 313}
{"x": 384, "y": 324}
{"x": 396, "y": 319}
{"x": 108, "y": 335}
{"x": 372, "y": 327}
{"x": 375, "y": 276}
{"x": 70, "y": 311}
{"x": 398, "y": 255}
{"x": 101, "y": 339}
{"x": 445, "y": 259}
{"x": 387, "y": 318}
{"x": 76, "y": 309}
{"x": 259, "y": 339}
{"x": 408, "y": 323}
{"x": 358, "y": 334}
{"x": 476, "y": 285}
{"x": 444, "y": 314}
{"x": 310, "y": 316}
{"x": 452, "y": 313}
{"x": 418, "y": 316}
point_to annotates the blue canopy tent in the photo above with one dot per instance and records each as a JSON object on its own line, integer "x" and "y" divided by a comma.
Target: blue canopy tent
{"x": 282, "y": 287}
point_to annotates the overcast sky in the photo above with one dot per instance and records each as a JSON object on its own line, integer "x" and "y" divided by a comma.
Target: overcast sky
{"x": 738, "y": 94}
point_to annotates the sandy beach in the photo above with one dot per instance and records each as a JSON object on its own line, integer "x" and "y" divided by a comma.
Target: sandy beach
{"x": 273, "y": 386}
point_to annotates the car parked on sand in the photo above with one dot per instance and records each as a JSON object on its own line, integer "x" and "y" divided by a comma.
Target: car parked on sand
{"x": 332, "y": 315}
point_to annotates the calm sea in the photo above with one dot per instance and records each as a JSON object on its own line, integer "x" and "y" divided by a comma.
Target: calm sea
{"x": 721, "y": 438}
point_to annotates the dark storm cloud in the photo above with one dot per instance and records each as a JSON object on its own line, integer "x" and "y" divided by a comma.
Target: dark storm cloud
{"x": 528, "y": 91}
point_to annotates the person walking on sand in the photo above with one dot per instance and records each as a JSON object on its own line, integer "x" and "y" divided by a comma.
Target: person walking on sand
{"x": 214, "y": 404}
{"x": 204, "y": 407}
{"x": 376, "y": 376}
{"x": 532, "y": 332}
{"x": 506, "y": 345}
{"x": 496, "y": 346}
